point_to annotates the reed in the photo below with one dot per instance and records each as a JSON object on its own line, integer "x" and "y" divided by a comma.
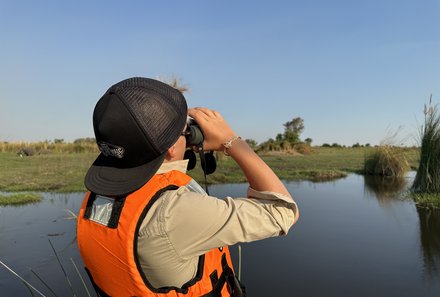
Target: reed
{"x": 62, "y": 268}
{"x": 32, "y": 289}
{"x": 386, "y": 160}
{"x": 81, "y": 278}
{"x": 427, "y": 179}
{"x": 25, "y": 282}
{"x": 43, "y": 282}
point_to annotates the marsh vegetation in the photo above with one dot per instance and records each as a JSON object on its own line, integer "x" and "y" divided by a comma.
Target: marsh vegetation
{"x": 428, "y": 174}
{"x": 19, "y": 198}
{"x": 64, "y": 171}
{"x": 426, "y": 185}
{"x": 387, "y": 161}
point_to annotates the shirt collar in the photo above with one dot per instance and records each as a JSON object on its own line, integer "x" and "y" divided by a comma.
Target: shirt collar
{"x": 179, "y": 165}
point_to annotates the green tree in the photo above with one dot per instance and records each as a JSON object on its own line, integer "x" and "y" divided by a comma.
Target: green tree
{"x": 90, "y": 140}
{"x": 293, "y": 129}
{"x": 252, "y": 143}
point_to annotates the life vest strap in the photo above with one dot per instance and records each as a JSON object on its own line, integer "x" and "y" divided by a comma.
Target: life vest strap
{"x": 227, "y": 277}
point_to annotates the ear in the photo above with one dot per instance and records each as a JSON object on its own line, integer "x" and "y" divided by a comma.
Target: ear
{"x": 171, "y": 153}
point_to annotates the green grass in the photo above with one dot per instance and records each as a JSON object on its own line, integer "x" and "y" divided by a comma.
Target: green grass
{"x": 428, "y": 200}
{"x": 57, "y": 172}
{"x": 321, "y": 164}
{"x": 64, "y": 172}
{"x": 19, "y": 199}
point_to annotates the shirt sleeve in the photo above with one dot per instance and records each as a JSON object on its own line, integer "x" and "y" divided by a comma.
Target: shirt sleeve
{"x": 196, "y": 223}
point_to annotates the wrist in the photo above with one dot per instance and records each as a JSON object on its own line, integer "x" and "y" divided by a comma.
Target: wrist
{"x": 230, "y": 144}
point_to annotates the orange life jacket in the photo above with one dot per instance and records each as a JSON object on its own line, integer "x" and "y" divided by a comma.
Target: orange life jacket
{"x": 110, "y": 251}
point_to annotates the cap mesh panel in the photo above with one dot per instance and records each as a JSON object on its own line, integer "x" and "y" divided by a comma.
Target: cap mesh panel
{"x": 159, "y": 109}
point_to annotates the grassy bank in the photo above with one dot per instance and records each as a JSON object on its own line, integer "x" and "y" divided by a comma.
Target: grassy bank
{"x": 64, "y": 172}
{"x": 428, "y": 200}
{"x": 19, "y": 199}
{"x": 56, "y": 172}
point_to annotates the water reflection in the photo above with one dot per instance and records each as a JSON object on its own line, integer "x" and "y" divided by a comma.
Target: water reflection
{"x": 24, "y": 246}
{"x": 343, "y": 245}
{"x": 385, "y": 189}
{"x": 388, "y": 190}
{"x": 430, "y": 239}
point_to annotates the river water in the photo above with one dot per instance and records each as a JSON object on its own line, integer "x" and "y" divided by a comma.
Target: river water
{"x": 355, "y": 237}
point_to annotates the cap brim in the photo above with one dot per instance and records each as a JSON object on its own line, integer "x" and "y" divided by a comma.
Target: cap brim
{"x": 104, "y": 178}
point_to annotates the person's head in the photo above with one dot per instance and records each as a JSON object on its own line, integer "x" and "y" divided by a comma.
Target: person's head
{"x": 137, "y": 124}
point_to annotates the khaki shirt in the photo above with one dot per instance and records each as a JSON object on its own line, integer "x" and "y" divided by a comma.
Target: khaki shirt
{"x": 186, "y": 223}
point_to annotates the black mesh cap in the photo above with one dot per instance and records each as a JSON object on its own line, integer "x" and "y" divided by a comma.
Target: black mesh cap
{"x": 135, "y": 123}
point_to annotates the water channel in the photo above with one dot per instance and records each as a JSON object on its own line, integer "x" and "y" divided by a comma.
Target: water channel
{"x": 356, "y": 237}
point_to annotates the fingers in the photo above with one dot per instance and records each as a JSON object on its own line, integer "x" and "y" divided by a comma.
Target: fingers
{"x": 197, "y": 115}
{"x": 204, "y": 113}
{"x": 214, "y": 127}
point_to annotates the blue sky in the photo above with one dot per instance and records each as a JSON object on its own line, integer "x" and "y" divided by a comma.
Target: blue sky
{"x": 355, "y": 71}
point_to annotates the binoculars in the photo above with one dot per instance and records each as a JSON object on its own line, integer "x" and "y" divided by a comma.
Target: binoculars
{"x": 194, "y": 138}
{"x": 193, "y": 134}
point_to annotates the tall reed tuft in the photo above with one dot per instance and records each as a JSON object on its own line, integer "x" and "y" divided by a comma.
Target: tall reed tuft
{"x": 386, "y": 160}
{"x": 427, "y": 179}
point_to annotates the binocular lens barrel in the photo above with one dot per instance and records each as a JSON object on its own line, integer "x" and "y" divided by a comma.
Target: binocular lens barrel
{"x": 196, "y": 137}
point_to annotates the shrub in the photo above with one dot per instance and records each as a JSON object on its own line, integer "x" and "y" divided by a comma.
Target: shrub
{"x": 386, "y": 160}
{"x": 26, "y": 151}
{"x": 303, "y": 148}
{"x": 285, "y": 145}
{"x": 77, "y": 148}
{"x": 252, "y": 143}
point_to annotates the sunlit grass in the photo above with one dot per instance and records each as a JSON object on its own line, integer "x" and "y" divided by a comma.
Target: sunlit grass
{"x": 386, "y": 160}
{"x": 47, "y": 147}
{"x": 20, "y": 198}
{"x": 64, "y": 172}
{"x": 58, "y": 172}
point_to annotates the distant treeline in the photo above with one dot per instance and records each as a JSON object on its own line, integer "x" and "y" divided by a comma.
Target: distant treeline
{"x": 80, "y": 145}
{"x": 88, "y": 145}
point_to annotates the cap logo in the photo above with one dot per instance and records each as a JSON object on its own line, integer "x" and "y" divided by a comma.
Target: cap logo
{"x": 108, "y": 149}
